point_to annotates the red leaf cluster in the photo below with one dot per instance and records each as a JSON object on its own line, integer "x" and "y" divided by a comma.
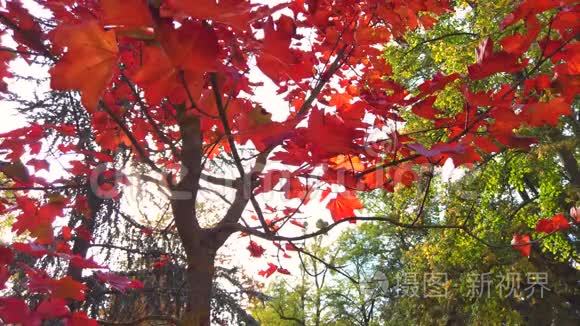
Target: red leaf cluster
{"x": 255, "y": 249}
{"x": 522, "y": 243}
{"x": 273, "y": 268}
{"x": 119, "y": 282}
{"x": 556, "y": 223}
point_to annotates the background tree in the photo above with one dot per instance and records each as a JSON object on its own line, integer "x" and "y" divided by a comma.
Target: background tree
{"x": 349, "y": 287}
{"x": 508, "y": 193}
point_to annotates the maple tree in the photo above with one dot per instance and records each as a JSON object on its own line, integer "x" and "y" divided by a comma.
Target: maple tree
{"x": 167, "y": 88}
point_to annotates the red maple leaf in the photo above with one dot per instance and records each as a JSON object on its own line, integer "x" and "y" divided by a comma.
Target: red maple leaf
{"x": 82, "y": 232}
{"x": 298, "y": 223}
{"x": 38, "y": 164}
{"x": 14, "y": 311}
{"x": 521, "y": 243}
{"x": 489, "y": 63}
{"x": 38, "y": 221}
{"x": 63, "y": 288}
{"x": 84, "y": 263}
{"x": 118, "y": 282}
{"x": 528, "y": 8}
{"x": 343, "y": 206}
{"x": 556, "y": 223}
{"x": 66, "y": 233}
{"x": 6, "y": 256}
{"x": 28, "y": 32}
{"x": 517, "y": 44}
{"x": 283, "y": 271}
{"x": 548, "y": 113}
{"x": 68, "y": 288}
{"x": 53, "y": 308}
{"x": 269, "y": 271}
{"x": 168, "y": 67}
{"x": 236, "y": 13}
{"x": 339, "y": 137}
{"x": 438, "y": 82}
{"x": 290, "y": 246}
{"x": 276, "y": 60}
{"x": 80, "y": 318}
{"x": 91, "y": 51}
{"x": 255, "y": 249}
{"x": 115, "y": 13}
{"x": 5, "y": 58}
{"x": 231, "y": 12}
{"x": 4, "y": 276}
{"x": 161, "y": 262}
{"x": 32, "y": 249}
{"x": 497, "y": 62}
{"x": 425, "y": 108}
{"x": 295, "y": 189}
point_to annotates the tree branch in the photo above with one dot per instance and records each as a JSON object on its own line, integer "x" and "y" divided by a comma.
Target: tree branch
{"x": 144, "y": 156}
{"x": 149, "y": 118}
{"x": 241, "y": 198}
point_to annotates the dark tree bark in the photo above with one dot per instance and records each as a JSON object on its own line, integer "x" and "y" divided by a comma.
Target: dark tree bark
{"x": 200, "y": 272}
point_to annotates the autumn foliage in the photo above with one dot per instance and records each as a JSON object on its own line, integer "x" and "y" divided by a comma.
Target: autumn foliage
{"x": 169, "y": 85}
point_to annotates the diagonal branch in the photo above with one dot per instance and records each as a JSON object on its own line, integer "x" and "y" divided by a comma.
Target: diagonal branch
{"x": 321, "y": 231}
{"x": 327, "y": 265}
{"x": 241, "y": 197}
{"x": 144, "y": 156}
{"x": 149, "y": 118}
{"x": 340, "y": 56}
{"x": 232, "y": 183}
{"x": 49, "y": 188}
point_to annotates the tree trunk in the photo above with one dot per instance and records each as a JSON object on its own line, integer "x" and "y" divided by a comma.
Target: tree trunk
{"x": 200, "y": 272}
{"x": 81, "y": 246}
